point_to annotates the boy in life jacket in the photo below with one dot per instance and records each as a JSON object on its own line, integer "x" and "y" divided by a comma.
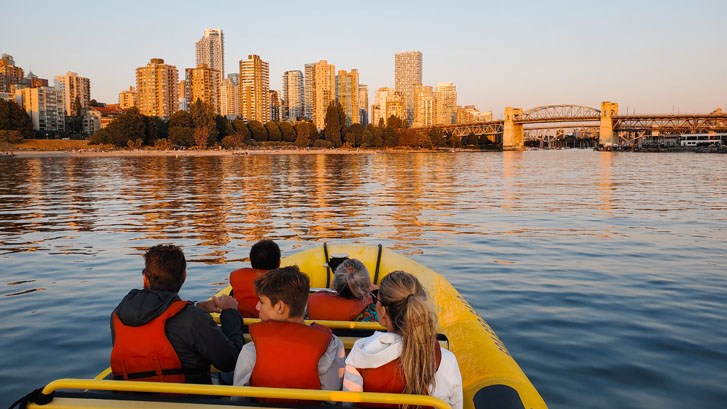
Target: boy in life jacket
{"x": 406, "y": 358}
{"x": 158, "y": 337}
{"x": 264, "y": 256}
{"x": 285, "y": 352}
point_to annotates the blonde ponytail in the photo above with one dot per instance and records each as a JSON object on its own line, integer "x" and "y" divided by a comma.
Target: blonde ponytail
{"x": 406, "y": 304}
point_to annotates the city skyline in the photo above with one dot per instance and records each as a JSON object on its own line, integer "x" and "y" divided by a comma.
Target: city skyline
{"x": 660, "y": 60}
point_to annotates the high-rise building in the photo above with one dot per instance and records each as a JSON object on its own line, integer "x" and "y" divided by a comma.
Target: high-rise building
{"x": 127, "y": 98}
{"x": 275, "y": 105}
{"x": 445, "y": 96}
{"x": 347, "y": 95}
{"x": 423, "y": 106}
{"x": 211, "y": 50}
{"x": 157, "y": 89}
{"x": 407, "y": 73}
{"x": 387, "y": 102}
{"x": 293, "y": 96}
{"x": 45, "y": 107}
{"x": 230, "y": 96}
{"x": 254, "y": 87}
{"x": 203, "y": 83}
{"x": 34, "y": 82}
{"x": 322, "y": 83}
{"x": 73, "y": 87}
{"x": 363, "y": 104}
{"x": 9, "y": 73}
{"x": 308, "y": 90}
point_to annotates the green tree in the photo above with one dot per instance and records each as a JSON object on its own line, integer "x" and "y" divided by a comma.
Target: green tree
{"x": 395, "y": 122}
{"x": 232, "y": 141}
{"x": 258, "y": 131}
{"x": 93, "y": 103}
{"x": 181, "y": 118}
{"x": 274, "y": 133}
{"x": 181, "y": 136}
{"x": 367, "y": 138}
{"x": 471, "y": 140}
{"x": 287, "y": 131}
{"x": 241, "y": 129}
{"x": 14, "y": 118}
{"x": 161, "y": 130}
{"x": 349, "y": 138}
{"x": 131, "y": 125}
{"x": 357, "y": 130}
{"x": 436, "y": 137}
{"x": 334, "y": 124}
{"x": 302, "y": 132}
{"x": 224, "y": 127}
{"x": 203, "y": 117}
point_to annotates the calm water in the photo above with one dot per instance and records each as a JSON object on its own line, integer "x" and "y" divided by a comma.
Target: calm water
{"x": 603, "y": 273}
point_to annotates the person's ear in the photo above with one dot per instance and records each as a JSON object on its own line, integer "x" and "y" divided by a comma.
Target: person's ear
{"x": 146, "y": 281}
{"x": 279, "y": 307}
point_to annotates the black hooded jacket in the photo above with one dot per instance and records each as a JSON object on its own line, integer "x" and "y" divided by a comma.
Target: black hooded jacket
{"x": 195, "y": 337}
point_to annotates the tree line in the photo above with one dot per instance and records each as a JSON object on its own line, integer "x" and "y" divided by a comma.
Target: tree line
{"x": 202, "y": 128}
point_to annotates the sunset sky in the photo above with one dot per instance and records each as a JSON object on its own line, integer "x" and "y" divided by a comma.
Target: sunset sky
{"x": 651, "y": 57}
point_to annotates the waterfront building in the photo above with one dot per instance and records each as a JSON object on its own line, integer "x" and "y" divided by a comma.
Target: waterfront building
{"x": 91, "y": 121}
{"x": 203, "y": 83}
{"x": 468, "y": 114}
{"x": 230, "y": 96}
{"x": 45, "y": 106}
{"x": 275, "y": 105}
{"x": 108, "y": 113}
{"x": 387, "y": 102}
{"x": 127, "y": 98}
{"x": 9, "y": 73}
{"x": 363, "y": 104}
{"x": 254, "y": 87}
{"x": 445, "y": 96}
{"x": 73, "y": 87}
{"x": 320, "y": 79}
{"x": 407, "y": 74}
{"x": 157, "y": 89}
{"x": 210, "y": 50}
{"x": 347, "y": 95}
{"x": 423, "y": 106}
{"x": 293, "y": 96}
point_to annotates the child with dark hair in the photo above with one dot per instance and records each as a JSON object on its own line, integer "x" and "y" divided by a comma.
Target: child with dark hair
{"x": 285, "y": 352}
{"x": 264, "y": 256}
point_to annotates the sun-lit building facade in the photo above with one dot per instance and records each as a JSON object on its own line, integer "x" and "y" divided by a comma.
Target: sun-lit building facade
{"x": 73, "y": 87}
{"x": 347, "y": 95}
{"x": 210, "y": 50}
{"x": 423, "y": 106}
{"x": 45, "y": 107}
{"x": 157, "y": 88}
{"x": 293, "y": 96}
{"x": 254, "y": 87}
{"x": 203, "y": 83}
{"x": 445, "y": 95}
{"x": 127, "y": 98}
{"x": 407, "y": 74}
{"x": 363, "y": 104}
{"x": 321, "y": 79}
{"x": 230, "y": 96}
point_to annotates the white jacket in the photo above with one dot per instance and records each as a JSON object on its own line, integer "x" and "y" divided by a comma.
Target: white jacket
{"x": 382, "y": 348}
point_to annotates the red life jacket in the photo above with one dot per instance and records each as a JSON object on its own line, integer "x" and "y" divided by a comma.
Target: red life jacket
{"x": 324, "y": 305}
{"x": 288, "y": 354}
{"x": 243, "y": 289}
{"x": 388, "y": 378}
{"x": 144, "y": 353}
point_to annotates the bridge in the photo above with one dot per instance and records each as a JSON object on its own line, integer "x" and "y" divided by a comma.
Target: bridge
{"x": 551, "y": 121}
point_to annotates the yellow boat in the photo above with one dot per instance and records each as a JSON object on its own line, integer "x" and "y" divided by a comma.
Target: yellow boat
{"x": 490, "y": 376}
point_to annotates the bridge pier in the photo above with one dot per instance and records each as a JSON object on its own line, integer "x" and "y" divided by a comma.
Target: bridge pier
{"x": 606, "y": 136}
{"x": 512, "y": 133}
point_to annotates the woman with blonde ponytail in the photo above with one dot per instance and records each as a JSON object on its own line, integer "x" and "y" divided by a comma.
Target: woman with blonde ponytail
{"x": 406, "y": 358}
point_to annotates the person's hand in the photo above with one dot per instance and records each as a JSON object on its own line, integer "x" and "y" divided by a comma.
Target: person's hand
{"x": 224, "y": 302}
{"x": 209, "y": 305}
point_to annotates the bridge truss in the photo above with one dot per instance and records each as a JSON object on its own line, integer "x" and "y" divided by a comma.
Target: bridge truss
{"x": 558, "y": 113}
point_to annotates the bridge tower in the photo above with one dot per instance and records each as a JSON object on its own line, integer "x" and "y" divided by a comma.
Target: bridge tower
{"x": 607, "y": 137}
{"x": 512, "y": 133}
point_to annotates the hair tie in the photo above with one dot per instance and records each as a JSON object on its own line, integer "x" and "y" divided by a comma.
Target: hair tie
{"x": 409, "y": 296}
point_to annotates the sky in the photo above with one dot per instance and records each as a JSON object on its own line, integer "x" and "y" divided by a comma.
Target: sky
{"x": 649, "y": 57}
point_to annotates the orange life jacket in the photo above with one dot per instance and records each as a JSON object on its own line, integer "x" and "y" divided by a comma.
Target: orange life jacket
{"x": 324, "y": 305}
{"x": 144, "y": 353}
{"x": 288, "y": 354}
{"x": 388, "y": 378}
{"x": 243, "y": 289}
